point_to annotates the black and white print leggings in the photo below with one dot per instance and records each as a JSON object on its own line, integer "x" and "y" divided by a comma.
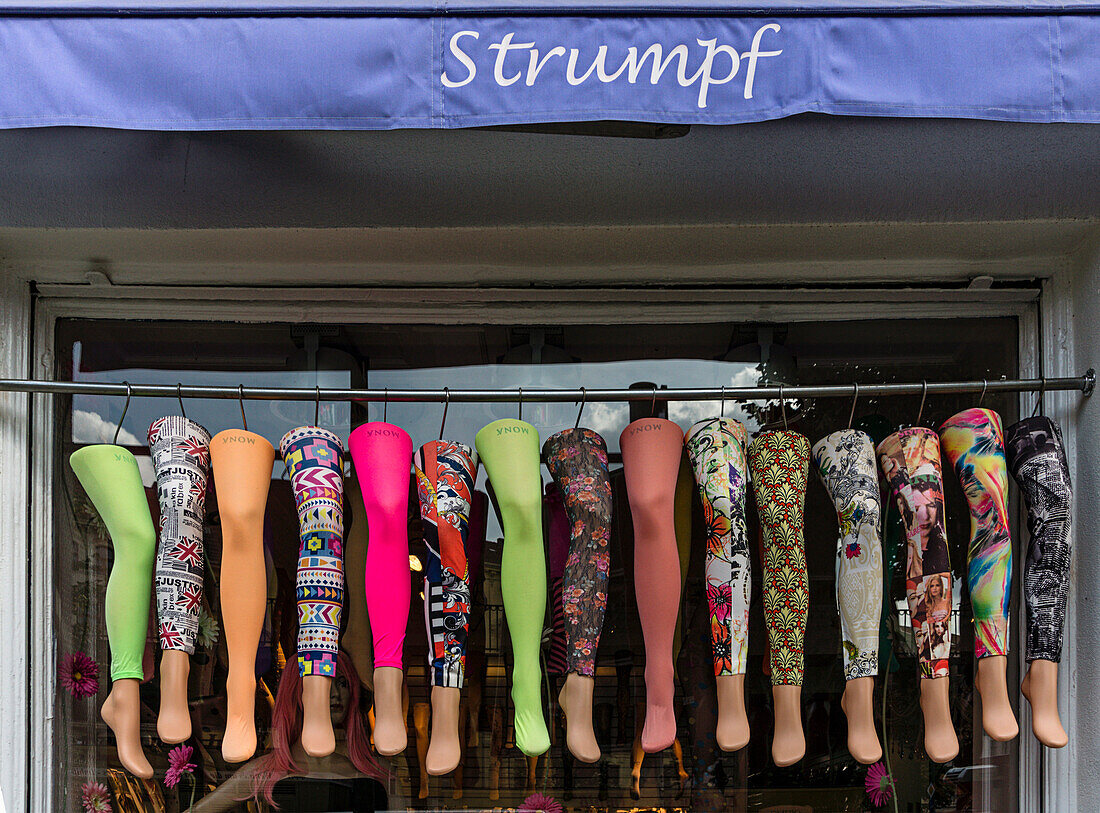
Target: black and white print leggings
{"x": 1036, "y": 457}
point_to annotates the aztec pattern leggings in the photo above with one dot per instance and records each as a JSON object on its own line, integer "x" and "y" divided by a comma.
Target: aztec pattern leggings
{"x": 180, "y": 449}
{"x": 845, "y": 461}
{"x": 1037, "y": 459}
{"x": 910, "y": 460}
{"x": 780, "y": 464}
{"x": 716, "y": 448}
{"x": 974, "y": 443}
{"x": 445, "y": 475}
{"x": 314, "y": 458}
{"x": 577, "y": 460}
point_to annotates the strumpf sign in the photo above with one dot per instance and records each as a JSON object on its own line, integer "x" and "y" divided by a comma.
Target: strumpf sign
{"x": 453, "y": 69}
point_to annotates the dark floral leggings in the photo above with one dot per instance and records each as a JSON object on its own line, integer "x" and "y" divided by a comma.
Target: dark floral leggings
{"x": 577, "y": 459}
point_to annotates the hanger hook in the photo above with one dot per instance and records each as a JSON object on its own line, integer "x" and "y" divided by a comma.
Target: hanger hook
{"x": 240, "y": 397}
{"x": 519, "y": 413}
{"x": 653, "y": 404}
{"x": 1039, "y": 400}
{"x": 923, "y": 395}
{"x": 179, "y": 397}
{"x": 317, "y": 408}
{"x": 783, "y": 407}
{"x": 855, "y": 397}
{"x": 125, "y": 408}
{"x": 722, "y": 411}
{"x": 446, "y": 405}
{"x": 985, "y": 386}
{"x": 584, "y": 396}
{"x": 385, "y": 404}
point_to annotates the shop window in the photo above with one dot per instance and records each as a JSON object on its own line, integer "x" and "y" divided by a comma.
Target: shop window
{"x": 694, "y": 775}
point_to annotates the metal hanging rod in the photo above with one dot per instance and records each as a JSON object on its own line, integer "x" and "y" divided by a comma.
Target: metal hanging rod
{"x": 1082, "y": 383}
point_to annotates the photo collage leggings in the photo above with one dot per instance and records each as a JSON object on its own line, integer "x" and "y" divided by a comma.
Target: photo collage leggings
{"x": 180, "y": 449}
{"x": 910, "y": 461}
{"x": 973, "y": 441}
{"x": 845, "y": 462}
{"x": 577, "y": 460}
{"x": 314, "y": 457}
{"x": 780, "y": 465}
{"x": 716, "y": 449}
{"x": 445, "y": 475}
{"x": 1037, "y": 459}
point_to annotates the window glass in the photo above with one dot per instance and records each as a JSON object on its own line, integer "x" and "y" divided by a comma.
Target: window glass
{"x": 694, "y": 774}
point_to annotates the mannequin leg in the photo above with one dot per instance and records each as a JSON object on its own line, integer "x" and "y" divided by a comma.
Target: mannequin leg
{"x": 716, "y": 448}
{"x": 780, "y": 466}
{"x": 496, "y": 746}
{"x": 314, "y": 458}
{"x": 382, "y": 454}
{"x": 421, "y": 714}
{"x": 911, "y": 463}
{"x": 974, "y": 442}
{"x": 180, "y": 449}
{"x": 242, "y": 464}
{"x": 845, "y": 461}
{"x": 577, "y": 459}
{"x": 637, "y": 752}
{"x": 510, "y": 451}
{"x": 356, "y": 640}
{"x": 110, "y": 476}
{"x": 1036, "y": 457}
{"x": 445, "y": 474}
{"x": 652, "y": 449}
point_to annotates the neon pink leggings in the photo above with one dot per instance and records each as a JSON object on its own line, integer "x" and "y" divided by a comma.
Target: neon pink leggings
{"x": 382, "y": 454}
{"x": 651, "y": 449}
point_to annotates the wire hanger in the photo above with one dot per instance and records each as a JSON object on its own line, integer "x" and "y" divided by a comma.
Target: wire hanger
{"x": 125, "y": 407}
{"x": 1039, "y": 400}
{"x": 653, "y": 404}
{"x": 722, "y": 409}
{"x": 386, "y": 404}
{"x": 783, "y": 407}
{"x": 855, "y": 397}
{"x": 923, "y": 395}
{"x": 317, "y": 408}
{"x": 584, "y": 396}
{"x": 179, "y": 397}
{"x": 985, "y": 386}
{"x": 519, "y": 414}
{"x": 446, "y": 405}
{"x": 240, "y": 395}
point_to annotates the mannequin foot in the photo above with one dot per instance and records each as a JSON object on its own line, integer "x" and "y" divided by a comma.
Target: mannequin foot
{"x": 318, "y": 739}
{"x": 174, "y": 718}
{"x": 997, "y": 718}
{"x": 576, "y": 703}
{"x": 390, "y": 735}
{"x": 858, "y": 705}
{"x": 940, "y": 742}
{"x": 122, "y": 712}
{"x": 789, "y": 741}
{"x": 445, "y": 749}
{"x": 733, "y": 724}
{"x": 1040, "y": 687}
{"x": 239, "y": 743}
{"x": 659, "y": 731}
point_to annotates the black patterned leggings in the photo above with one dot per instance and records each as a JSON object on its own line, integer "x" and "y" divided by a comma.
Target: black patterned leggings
{"x": 1037, "y": 459}
{"x": 577, "y": 459}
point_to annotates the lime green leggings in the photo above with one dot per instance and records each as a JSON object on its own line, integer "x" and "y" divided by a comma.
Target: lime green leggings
{"x": 110, "y": 476}
{"x": 510, "y": 451}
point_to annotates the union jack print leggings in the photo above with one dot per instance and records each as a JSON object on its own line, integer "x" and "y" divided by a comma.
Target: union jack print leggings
{"x": 180, "y": 449}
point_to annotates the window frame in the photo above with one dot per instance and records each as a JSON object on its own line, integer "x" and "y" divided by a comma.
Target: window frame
{"x": 1045, "y": 348}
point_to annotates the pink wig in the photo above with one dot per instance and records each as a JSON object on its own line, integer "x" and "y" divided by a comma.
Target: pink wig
{"x": 286, "y": 728}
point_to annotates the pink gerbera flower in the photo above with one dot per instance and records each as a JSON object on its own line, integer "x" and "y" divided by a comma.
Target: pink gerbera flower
{"x": 179, "y": 763}
{"x": 879, "y": 784}
{"x": 94, "y": 798}
{"x": 79, "y": 674}
{"x": 536, "y": 802}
